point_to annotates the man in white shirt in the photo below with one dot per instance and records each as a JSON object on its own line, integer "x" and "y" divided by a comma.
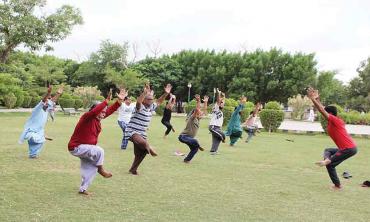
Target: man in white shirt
{"x": 124, "y": 116}
{"x": 215, "y": 125}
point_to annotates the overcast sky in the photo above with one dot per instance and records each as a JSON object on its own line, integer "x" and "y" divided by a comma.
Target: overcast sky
{"x": 338, "y": 32}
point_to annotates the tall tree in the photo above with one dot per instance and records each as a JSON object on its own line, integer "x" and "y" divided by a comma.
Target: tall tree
{"x": 19, "y": 24}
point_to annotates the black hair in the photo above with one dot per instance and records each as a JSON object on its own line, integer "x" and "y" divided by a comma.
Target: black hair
{"x": 251, "y": 112}
{"x": 332, "y": 110}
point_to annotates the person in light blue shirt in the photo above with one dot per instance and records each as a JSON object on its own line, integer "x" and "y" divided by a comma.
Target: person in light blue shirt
{"x": 34, "y": 128}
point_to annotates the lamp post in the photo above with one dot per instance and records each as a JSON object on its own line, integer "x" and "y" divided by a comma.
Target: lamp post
{"x": 189, "y": 86}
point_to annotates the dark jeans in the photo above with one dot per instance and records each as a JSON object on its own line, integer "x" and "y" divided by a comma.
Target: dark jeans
{"x": 337, "y": 156}
{"x": 192, "y": 143}
{"x": 217, "y": 137}
{"x": 168, "y": 125}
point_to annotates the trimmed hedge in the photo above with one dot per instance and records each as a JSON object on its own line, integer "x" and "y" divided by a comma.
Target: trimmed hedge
{"x": 271, "y": 119}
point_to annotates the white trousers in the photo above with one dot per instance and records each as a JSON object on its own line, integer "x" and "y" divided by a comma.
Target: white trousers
{"x": 91, "y": 156}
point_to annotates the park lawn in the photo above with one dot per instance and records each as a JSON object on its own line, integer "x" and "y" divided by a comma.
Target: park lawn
{"x": 269, "y": 179}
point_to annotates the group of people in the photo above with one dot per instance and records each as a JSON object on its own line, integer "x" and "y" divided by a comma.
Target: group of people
{"x": 134, "y": 119}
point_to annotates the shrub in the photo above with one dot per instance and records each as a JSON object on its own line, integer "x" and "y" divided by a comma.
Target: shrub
{"x": 66, "y": 103}
{"x": 273, "y": 105}
{"x": 10, "y": 100}
{"x": 35, "y": 100}
{"x": 160, "y": 109}
{"x": 27, "y": 101}
{"x": 299, "y": 105}
{"x": 271, "y": 119}
{"x": 88, "y": 95}
{"x": 78, "y": 104}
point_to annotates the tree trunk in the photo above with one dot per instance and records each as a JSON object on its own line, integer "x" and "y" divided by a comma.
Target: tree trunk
{"x": 4, "y": 54}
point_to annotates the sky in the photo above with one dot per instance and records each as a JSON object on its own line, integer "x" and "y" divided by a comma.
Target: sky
{"x": 338, "y": 32}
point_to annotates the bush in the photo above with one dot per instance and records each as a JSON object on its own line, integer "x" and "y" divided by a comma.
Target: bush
{"x": 34, "y": 101}
{"x": 273, "y": 105}
{"x": 271, "y": 119}
{"x": 88, "y": 95}
{"x": 20, "y": 97}
{"x": 10, "y": 100}
{"x": 27, "y": 101}
{"x": 160, "y": 109}
{"x": 66, "y": 103}
{"x": 299, "y": 104}
{"x": 78, "y": 104}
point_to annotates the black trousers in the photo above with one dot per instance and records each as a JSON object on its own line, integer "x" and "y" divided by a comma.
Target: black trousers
{"x": 337, "y": 156}
{"x": 168, "y": 125}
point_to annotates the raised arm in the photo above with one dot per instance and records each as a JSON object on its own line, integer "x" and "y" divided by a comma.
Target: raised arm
{"x": 100, "y": 107}
{"x": 47, "y": 95}
{"x": 315, "y": 98}
{"x": 58, "y": 94}
{"x": 197, "y": 108}
{"x": 120, "y": 97}
{"x": 141, "y": 98}
{"x": 205, "y": 105}
{"x": 167, "y": 90}
{"x": 256, "y": 109}
{"x": 171, "y": 102}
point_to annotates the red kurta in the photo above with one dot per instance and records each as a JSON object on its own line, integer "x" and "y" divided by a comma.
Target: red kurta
{"x": 89, "y": 127}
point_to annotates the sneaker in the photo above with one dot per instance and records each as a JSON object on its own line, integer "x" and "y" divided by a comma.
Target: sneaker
{"x": 201, "y": 148}
{"x": 213, "y": 153}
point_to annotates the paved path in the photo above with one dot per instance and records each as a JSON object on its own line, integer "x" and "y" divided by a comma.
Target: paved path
{"x": 287, "y": 124}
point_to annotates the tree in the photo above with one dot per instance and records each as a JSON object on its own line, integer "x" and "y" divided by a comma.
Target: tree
{"x": 332, "y": 91}
{"x": 19, "y": 24}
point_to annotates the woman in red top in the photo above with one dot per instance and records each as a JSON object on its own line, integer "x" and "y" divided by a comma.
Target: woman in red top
{"x": 85, "y": 137}
{"x": 337, "y": 131}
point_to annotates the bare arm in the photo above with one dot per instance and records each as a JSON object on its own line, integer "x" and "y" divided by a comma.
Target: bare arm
{"x": 58, "y": 94}
{"x": 167, "y": 90}
{"x": 47, "y": 95}
{"x": 205, "y": 100}
{"x": 197, "y": 108}
{"x": 141, "y": 98}
{"x": 314, "y": 96}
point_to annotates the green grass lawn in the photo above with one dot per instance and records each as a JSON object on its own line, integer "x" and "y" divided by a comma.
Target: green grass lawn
{"x": 269, "y": 179}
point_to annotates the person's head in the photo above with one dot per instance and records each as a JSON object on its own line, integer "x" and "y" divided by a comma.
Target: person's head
{"x": 102, "y": 114}
{"x": 127, "y": 100}
{"x": 222, "y": 104}
{"x": 332, "y": 110}
{"x": 148, "y": 100}
{"x": 48, "y": 105}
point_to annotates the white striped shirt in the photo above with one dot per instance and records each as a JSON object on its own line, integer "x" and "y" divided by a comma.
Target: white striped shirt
{"x": 140, "y": 121}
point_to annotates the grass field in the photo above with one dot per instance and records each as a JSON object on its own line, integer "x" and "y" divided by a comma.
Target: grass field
{"x": 269, "y": 179}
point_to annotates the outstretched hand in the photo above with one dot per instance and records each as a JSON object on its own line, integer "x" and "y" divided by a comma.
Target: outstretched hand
{"x": 122, "y": 94}
{"x": 312, "y": 93}
{"x": 60, "y": 90}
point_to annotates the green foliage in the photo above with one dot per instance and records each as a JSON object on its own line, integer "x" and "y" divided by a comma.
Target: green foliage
{"x": 19, "y": 94}
{"x": 35, "y": 100}
{"x": 271, "y": 119}
{"x": 66, "y": 101}
{"x": 10, "y": 100}
{"x": 21, "y": 24}
{"x": 273, "y": 105}
{"x": 78, "y": 104}
{"x": 160, "y": 109}
{"x": 88, "y": 95}
{"x": 27, "y": 101}
{"x": 331, "y": 90}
